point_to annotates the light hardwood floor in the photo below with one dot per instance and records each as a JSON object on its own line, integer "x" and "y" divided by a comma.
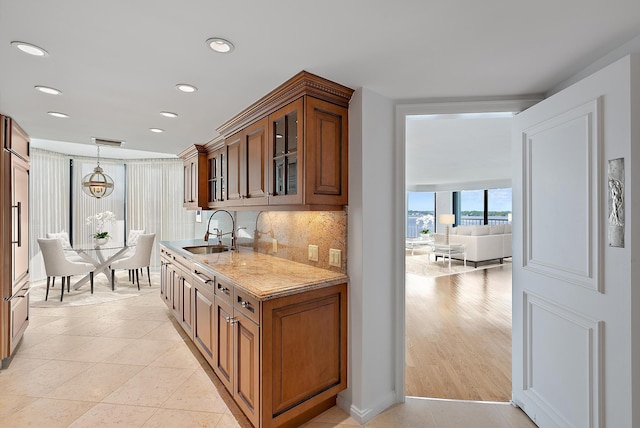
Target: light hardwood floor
{"x": 458, "y": 335}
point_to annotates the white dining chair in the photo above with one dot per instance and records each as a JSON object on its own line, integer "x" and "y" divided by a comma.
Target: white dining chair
{"x": 132, "y": 241}
{"x": 140, "y": 258}
{"x": 66, "y": 245}
{"x": 56, "y": 264}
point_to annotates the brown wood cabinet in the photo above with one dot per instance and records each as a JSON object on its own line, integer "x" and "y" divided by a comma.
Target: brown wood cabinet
{"x": 288, "y": 150}
{"x": 238, "y": 351}
{"x": 195, "y": 177}
{"x": 233, "y": 149}
{"x": 309, "y": 154}
{"x": 217, "y": 176}
{"x": 176, "y": 284}
{"x": 304, "y": 359}
{"x": 283, "y": 360}
{"x": 255, "y": 164}
{"x": 203, "y": 315}
{"x": 186, "y": 302}
{"x": 246, "y": 167}
{"x": 14, "y": 236}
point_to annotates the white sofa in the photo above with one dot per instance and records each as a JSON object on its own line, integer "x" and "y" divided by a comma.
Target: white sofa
{"x": 482, "y": 243}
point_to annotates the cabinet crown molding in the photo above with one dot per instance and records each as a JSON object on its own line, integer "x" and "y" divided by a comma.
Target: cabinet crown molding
{"x": 192, "y": 150}
{"x": 303, "y": 83}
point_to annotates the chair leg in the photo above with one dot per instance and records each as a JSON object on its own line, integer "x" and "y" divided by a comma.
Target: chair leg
{"x": 91, "y": 279}
{"x": 148, "y": 276}
{"x": 137, "y": 279}
{"x": 62, "y": 291}
{"x": 46, "y": 296}
{"x": 113, "y": 279}
{"x": 53, "y": 283}
{"x": 130, "y": 275}
{"x": 69, "y": 284}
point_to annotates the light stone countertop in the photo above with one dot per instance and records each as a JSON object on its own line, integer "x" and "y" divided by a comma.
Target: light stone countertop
{"x": 265, "y": 277}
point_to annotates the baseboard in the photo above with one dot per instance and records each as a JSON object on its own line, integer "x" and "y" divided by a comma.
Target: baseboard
{"x": 363, "y": 416}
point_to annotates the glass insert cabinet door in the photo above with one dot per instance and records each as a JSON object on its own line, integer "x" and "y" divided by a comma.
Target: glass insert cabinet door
{"x": 216, "y": 178}
{"x": 285, "y": 148}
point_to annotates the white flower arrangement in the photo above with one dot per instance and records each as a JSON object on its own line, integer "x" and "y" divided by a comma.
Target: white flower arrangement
{"x": 101, "y": 219}
{"x": 423, "y": 221}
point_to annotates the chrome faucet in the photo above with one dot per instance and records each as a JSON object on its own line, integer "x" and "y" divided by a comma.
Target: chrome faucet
{"x": 219, "y": 233}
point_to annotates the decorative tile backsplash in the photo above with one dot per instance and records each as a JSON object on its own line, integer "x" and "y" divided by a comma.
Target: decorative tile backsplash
{"x": 294, "y": 231}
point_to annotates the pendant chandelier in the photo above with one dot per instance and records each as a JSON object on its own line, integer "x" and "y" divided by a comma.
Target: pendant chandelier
{"x": 97, "y": 184}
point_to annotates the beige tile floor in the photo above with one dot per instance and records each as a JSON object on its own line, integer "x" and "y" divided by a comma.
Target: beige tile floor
{"x": 128, "y": 364}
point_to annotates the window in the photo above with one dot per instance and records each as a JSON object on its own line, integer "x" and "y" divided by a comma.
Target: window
{"x": 476, "y": 207}
{"x": 421, "y": 208}
{"x": 471, "y": 207}
{"x": 498, "y": 205}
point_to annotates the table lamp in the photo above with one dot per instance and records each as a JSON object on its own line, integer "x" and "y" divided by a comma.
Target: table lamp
{"x": 448, "y": 220}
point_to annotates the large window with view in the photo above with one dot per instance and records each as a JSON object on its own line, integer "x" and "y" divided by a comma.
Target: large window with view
{"x": 476, "y": 207}
{"x": 421, "y": 208}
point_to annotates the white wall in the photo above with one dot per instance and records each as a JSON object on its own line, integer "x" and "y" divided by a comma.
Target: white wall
{"x": 444, "y": 205}
{"x": 372, "y": 315}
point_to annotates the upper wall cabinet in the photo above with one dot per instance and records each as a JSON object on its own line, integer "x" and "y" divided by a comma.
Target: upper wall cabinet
{"x": 309, "y": 154}
{"x": 216, "y": 173}
{"x": 288, "y": 150}
{"x": 195, "y": 177}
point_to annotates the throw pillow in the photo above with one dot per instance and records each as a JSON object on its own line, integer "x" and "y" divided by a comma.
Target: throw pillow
{"x": 496, "y": 229}
{"x": 479, "y": 230}
{"x": 464, "y": 230}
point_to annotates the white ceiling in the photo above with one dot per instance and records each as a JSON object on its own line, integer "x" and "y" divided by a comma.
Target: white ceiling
{"x": 457, "y": 148}
{"x": 117, "y": 62}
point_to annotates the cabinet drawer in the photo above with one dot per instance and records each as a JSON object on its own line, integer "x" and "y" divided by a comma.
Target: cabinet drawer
{"x": 247, "y": 305}
{"x": 19, "y": 316}
{"x": 223, "y": 291}
{"x": 204, "y": 280}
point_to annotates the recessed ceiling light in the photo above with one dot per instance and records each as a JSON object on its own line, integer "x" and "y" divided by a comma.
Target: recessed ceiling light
{"x": 48, "y": 90}
{"x": 186, "y": 87}
{"x": 168, "y": 114}
{"x": 220, "y": 45}
{"x": 57, "y": 114}
{"x": 29, "y": 48}
{"x": 156, "y": 130}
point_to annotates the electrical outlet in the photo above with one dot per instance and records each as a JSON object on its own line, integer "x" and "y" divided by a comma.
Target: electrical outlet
{"x": 313, "y": 253}
{"x": 274, "y": 244}
{"x": 335, "y": 257}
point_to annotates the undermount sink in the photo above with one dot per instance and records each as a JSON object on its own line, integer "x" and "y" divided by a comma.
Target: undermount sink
{"x": 207, "y": 249}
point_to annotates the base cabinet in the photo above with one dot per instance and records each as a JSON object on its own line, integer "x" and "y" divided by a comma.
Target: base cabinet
{"x": 283, "y": 360}
{"x": 304, "y": 356}
{"x": 237, "y": 361}
{"x": 19, "y": 316}
{"x": 203, "y": 313}
{"x": 176, "y": 288}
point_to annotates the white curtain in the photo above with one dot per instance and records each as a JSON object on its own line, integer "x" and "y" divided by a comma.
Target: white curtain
{"x": 154, "y": 201}
{"x": 48, "y": 202}
{"x": 148, "y": 191}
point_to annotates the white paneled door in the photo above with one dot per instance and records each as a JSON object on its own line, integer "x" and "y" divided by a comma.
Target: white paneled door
{"x": 572, "y": 293}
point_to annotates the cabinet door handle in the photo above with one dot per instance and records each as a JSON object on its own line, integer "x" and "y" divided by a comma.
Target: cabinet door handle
{"x": 19, "y": 207}
{"x": 230, "y": 320}
{"x": 26, "y": 293}
{"x": 244, "y": 304}
{"x": 202, "y": 277}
